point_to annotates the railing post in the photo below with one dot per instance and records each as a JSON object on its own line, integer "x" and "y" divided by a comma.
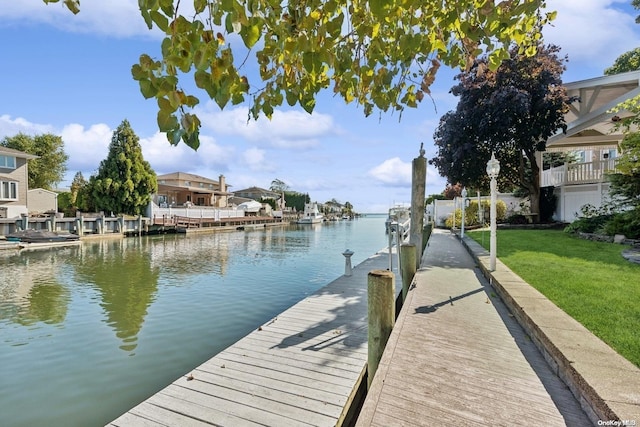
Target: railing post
{"x": 381, "y": 311}
{"x": 407, "y": 266}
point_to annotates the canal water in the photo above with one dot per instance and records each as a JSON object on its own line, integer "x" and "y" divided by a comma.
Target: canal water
{"x": 88, "y": 332}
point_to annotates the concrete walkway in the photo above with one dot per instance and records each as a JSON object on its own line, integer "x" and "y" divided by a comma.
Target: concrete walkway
{"x": 457, "y": 356}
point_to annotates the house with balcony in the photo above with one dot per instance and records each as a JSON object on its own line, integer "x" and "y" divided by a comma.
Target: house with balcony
{"x": 14, "y": 182}
{"x": 592, "y": 137}
{"x": 181, "y": 189}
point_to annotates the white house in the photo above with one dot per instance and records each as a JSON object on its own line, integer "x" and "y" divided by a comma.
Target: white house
{"x": 591, "y": 134}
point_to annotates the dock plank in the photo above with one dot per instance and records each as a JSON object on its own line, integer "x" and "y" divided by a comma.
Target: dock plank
{"x": 456, "y": 356}
{"x": 300, "y": 368}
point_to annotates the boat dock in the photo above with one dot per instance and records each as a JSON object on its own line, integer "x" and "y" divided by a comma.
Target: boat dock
{"x": 304, "y": 367}
{"x": 457, "y": 355}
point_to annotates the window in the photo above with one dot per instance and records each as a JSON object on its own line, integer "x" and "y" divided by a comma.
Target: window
{"x": 8, "y": 162}
{"x": 8, "y": 190}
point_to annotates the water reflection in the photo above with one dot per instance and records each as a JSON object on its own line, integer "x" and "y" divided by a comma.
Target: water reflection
{"x": 122, "y": 272}
{"x": 30, "y": 291}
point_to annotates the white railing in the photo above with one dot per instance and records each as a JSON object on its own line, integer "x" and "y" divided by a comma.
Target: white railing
{"x": 197, "y": 212}
{"x": 577, "y": 173}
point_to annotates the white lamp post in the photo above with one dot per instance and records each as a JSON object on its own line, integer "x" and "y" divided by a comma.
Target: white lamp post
{"x": 493, "y": 169}
{"x": 464, "y": 204}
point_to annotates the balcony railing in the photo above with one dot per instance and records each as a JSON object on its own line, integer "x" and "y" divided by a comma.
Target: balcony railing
{"x": 577, "y": 173}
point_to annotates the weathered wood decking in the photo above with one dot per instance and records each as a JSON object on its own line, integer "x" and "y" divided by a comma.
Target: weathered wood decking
{"x": 301, "y": 368}
{"x": 457, "y": 357}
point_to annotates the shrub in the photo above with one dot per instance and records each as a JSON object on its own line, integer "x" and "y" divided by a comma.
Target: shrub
{"x": 591, "y": 220}
{"x": 471, "y": 214}
{"x": 627, "y": 223}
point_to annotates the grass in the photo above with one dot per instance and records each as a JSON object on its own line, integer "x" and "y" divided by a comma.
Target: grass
{"x": 590, "y": 281}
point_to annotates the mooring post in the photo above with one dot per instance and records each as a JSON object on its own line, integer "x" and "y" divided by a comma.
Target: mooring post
{"x": 418, "y": 184}
{"x": 347, "y": 262}
{"x": 381, "y": 312}
{"x": 407, "y": 266}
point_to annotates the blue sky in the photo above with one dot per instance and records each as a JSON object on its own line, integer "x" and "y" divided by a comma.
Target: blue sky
{"x": 70, "y": 75}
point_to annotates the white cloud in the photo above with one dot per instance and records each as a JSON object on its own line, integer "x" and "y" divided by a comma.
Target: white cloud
{"x": 592, "y": 29}
{"x": 393, "y": 172}
{"x": 166, "y": 158}
{"x": 255, "y": 160}
{"x": 115, "y": 18}
{"x": 286, "y": 129}
{"x": 86, "y": 147}
{"x": 11, "y": 127}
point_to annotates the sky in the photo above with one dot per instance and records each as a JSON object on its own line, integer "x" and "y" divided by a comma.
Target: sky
{"x": 71, "y": 76}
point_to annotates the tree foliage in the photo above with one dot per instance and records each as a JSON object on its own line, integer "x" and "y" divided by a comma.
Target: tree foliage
{"x": 625, "y": 183}
{"x": 124, "y": 182}
{"x": 296, "y": 200}
{"x": 49, "y": 168}
{"x": 628, "y": 61}
{"x": 278, "y": 186}
{"x": 512, "y": 112}
{"x": 382, "y": 54}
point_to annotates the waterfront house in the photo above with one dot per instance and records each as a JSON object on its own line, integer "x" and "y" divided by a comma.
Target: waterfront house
{"x": 14, "y": 182}
{"x": 258, "y": 194}
{"x": 592, "y": 135}
{"x": 186, "y": 189}
{"x": 42, "y": 201}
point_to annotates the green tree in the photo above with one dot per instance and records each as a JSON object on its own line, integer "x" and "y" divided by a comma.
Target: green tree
{"x": 381, "y": 54}
{"x": 512, "y": 111}
{"x": 124, "y": 182}
{"x": 296, "y": 200}
{"x": 628, "y": 61}
{"x": 49, "y": 168}
{"x": 278, "y": 186}
{"x": 625, "y": 185}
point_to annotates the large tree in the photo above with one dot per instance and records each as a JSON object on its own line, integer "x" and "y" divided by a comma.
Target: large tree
{"x": 124, "y": 182}
{"x": 49, "y": 168}
{"x": 380, "y": 53}
{"x": 512, "y": 112}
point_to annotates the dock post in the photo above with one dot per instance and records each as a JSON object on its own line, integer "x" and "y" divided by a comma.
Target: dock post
{"x": 407, "y": 266}
{"x": 418, "y": 186}
{"x": 381, "y": 310}
{"x": 347, "y": 262}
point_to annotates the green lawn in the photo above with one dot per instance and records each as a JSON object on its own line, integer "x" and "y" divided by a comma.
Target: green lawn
{"x": 590, "y": 281}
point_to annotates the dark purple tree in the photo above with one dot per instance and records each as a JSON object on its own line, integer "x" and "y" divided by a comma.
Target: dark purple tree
{"x": 512, "y": 112}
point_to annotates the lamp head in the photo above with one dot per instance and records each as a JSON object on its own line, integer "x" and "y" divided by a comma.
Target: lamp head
{"x": 493, "y": 166}
{"x": 464, "y": 192}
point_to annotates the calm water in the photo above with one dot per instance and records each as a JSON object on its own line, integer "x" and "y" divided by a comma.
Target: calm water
{"x": 88, "y": 332}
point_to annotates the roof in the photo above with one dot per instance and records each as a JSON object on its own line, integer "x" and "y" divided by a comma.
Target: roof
{"x": 17, "y": 153}
{"x": 590, "y": 121}
{"x": 187, "y": 177}
{"x": 253, "y": 190}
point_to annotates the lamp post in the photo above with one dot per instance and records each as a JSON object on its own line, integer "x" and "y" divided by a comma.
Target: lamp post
{"x": 493, "y": 169}
{"x": 464, "y": 204}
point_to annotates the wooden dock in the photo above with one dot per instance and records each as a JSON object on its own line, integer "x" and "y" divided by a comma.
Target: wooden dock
{"x": 457, "y": 357}
{"x": 302, "y": 368}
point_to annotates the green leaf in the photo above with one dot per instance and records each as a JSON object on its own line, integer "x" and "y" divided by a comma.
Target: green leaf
{"x": 166, "y": 121}
{"x": 250, "y": 34}
{"x": 147, "y": 88}
{"x": 161, "y": 21}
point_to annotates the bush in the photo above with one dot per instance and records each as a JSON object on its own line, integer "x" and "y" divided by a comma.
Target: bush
{"x": 627, "y": 223}
{"x": 592, "y": 220}
{"x": 471, "y": 214}
{"x": 517, "y": 219}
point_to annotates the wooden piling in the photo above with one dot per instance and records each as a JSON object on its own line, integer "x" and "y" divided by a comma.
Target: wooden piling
{"x": 407, "y": 266}
{"x": 418, "y": 185}
{"x": 381, "y": 315}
